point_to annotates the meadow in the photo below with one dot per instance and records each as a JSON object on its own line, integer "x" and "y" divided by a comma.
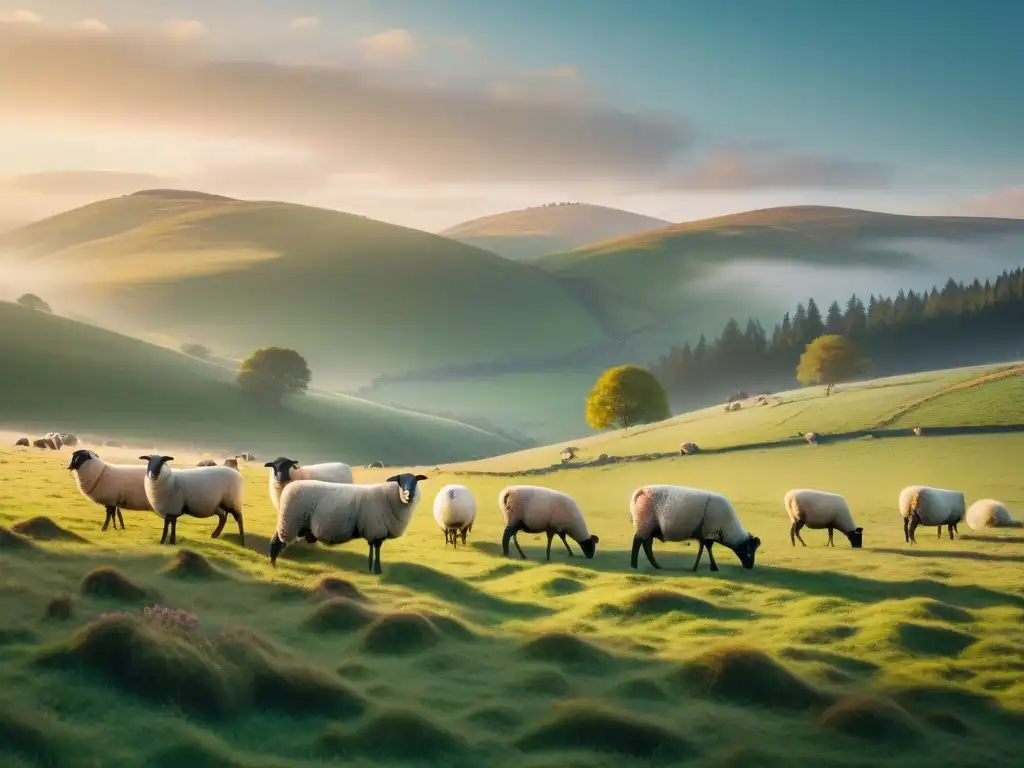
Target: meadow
{"x": 890, "y": 654}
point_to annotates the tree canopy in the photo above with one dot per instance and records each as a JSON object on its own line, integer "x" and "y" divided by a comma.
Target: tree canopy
{"x": 830, "y": 359}
{"x": 272, "y": 372}
{"x": 625, "y": 396}
{"x": 31, "y": 301}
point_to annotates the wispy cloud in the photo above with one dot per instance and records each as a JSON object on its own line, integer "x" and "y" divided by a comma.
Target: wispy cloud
{"x": 305, "y": 22}
{"x": 82, "y": 183}
{"x": 184, "y": 29}
{"x": 394, "y": 46}
{"x": 1008, "y": 203}
{"x": 764, "y": 168}
{"x": 90, "y": 25}
{"x": 20, "y": 16}
{"x": 351, "y": 121}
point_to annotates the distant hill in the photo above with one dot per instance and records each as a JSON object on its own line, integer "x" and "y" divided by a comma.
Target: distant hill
{"x": 59, "y": 374}
{"x": 356, "y": 296}
{"x": 533, "y": 232}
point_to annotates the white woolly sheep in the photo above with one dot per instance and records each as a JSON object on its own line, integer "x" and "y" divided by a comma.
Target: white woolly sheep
{"x": 811, "y": 438}
{"x": 820, "y": 509}
{"x": 284, "y": 471}
{"x": 334, "y": 513}
{"x": 917, "y": 431}
{"x": 206, "y": 463}
{"x": 198, "y": 492}
{"x": 533, "y": 509}
{"x": 69, "y": 440}
{"x": 677, "y": 513}
{"x": 989, "y": 513}
{"x": 688, "y": 449}
{"x": 924, "y": 505}
{"x": 114, "y": 486}
{"x": 454, "y": 512}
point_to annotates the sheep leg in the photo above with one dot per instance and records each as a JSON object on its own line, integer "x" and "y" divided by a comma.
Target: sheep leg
{"x": 915, "y": 520}
{"x": 119, "y": 517}
{"x": 510, "y": 533}
{"x": 906, "y": 533}
{"x": 700, "y": 552}
{"x": 950, "y": 531}
{"x": 567, "y": 547}
{"x": 711, "y": 557}
{"x": 551, "y": 535}
{"x": 795, "y": 532}
{"x": 938, "y": 530}
{"x": 110, "y": 516}
{"x": 241, "y": 528}
{"x": 167, "y": 526}
{"x": 831, "y": 543}
{"x": 464, "y": 532}
{"x": 376, "y": 548}
{"x": 222, "y": 518}
{"x": 370, "y": 562}
{"x": 174, "y": 530}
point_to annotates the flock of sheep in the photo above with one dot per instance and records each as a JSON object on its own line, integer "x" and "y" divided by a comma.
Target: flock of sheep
{"x": 321, "y": 503}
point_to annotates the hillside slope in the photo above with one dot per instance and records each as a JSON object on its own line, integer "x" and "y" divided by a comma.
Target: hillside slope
{"x": 63, "y": 375}
{"x": 356, "y": 296}
{"x": 529, "y": 233}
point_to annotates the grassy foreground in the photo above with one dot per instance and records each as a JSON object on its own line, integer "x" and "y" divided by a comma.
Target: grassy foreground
{"x": 71, "y": 377}
{"x": 889, "y": 654}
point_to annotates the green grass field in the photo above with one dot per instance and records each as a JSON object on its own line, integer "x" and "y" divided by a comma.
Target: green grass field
{"x": 892, "y": 654}
{"x": 70, "y": 377}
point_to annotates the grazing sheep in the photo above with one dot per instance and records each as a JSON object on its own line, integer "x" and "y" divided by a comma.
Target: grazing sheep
{"x": 989, "y": 513}
{"x": 69, "y": 440}
{"x": 820, "y": 509}
{"x": 677, "y": 513}
{"x": 199, "y": 492}
{"x": 54, "y": 437}
{"x": 23, "y": 441}
{"x": 688, "y": 449}
{"x": 245, "y": 457}
{"x": 114, "y": 486}
{"x": 924, "y": 505}
{"x": 334, "y": 513}
{"x": 232, "y": 462}
{"x": 917, "y": 431}
{"x": 534, "y": 509}
{"x": 207, "y": 463}
{"x": 375, "y": 465}
{"x": 284, "y": 471}
{"x": 44, "y": 443}
{"x": 454, "y": 511}
{"x": 811, "y": 438}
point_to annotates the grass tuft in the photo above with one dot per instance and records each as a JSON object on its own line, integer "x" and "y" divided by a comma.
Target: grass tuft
{"x": 565, "y": 649}
{"x": 339, "y": 614}
{"x": 187, "y": 564}
{"x": 870, "y": 716}
{"x": 44, "y": 529}
{"x": 61, "y": 607}
{"x": 14, "y": 542}
{"x": 398, "y": 734}
{"x": 109, "y": 583}
{"x": 401, "y": 633}
{"x": 923, "y": 640}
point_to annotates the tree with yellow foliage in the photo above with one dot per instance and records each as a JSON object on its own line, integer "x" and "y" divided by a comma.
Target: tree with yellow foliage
{"x": 830, "y": 360}
{"x": 626, "y": 396}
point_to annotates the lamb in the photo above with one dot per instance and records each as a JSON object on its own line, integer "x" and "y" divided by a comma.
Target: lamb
{"x": 22, "y": 441}
{"x": 455, "y": 511}
{"x": 989, "y": 513}
{"x": 200, "y": 492}
{"x": 819, "y": 509}
{"x": 284, "y": 471}
{"x": 534, "y": 509}
{"x": 207, "y": 463}
{"x": 677, "y": 513}
{"x": 114, "y": 486}
{"x": 334, "y": 513}
{"x": 924, "y": 505}
{"x": 233, "y": 463}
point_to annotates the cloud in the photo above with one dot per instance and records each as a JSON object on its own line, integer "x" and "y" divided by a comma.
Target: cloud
{"x": 305, "y": 22}
{"x": 184, "y": 29}
{"x": 351, "y": 121}
{"x": 564, "y": 72}
{"x": 460, "y": 44}
{"x": 90, "y": 25}
{"x": 20, "y": 16}
{"x": 756, "y": 169}
{"x": 82, "y": 183}
{"x": 394, "y": 46}
{"x": 1003, "y": 203}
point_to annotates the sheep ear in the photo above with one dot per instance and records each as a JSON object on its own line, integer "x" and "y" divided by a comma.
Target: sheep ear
{"x": 268, "y": 464}
{"x": 145, "y": 458}
{"x": 392, "y": 479}
{"x": 167, "y": 458}
{"x": 420, "y": 477}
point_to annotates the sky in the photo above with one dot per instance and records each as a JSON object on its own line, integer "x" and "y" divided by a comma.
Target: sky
{"x": 428, "y": 113}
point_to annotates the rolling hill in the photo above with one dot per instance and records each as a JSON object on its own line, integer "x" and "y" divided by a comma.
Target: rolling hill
{"x": 355, "y": 296}
{"x": 532, "y": 232}
{"x": 58, "y": 374}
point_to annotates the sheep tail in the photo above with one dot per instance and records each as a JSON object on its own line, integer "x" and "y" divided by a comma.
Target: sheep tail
{"x": 505, "y": 501}
{"x": 915, "y": 502}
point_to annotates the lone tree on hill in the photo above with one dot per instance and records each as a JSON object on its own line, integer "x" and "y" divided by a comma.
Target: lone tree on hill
{"x": 830, "y": 360}
{"x": 272, "y": 372}
{"x": 31, "y": 301}
{"x": 625, "y": 396}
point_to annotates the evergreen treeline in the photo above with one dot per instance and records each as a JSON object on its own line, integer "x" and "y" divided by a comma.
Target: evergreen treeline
{"x": 952, "y": 326}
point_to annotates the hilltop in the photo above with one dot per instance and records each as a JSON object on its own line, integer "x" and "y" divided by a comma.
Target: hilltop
{"x": 59, "y": 374}
{"x": 529, "y": 233}
{"x": 355, "y": 296}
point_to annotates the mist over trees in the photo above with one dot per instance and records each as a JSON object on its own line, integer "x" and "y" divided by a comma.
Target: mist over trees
{"x": 958, "y": 324}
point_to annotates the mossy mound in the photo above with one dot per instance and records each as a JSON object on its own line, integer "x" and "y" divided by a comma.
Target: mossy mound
{"x": 641, "y": 689}
{"x": 924, "y": 640}
{"x": 34, "y": 735}
{"x": 870, "y": 716}
{"x": 17, "y": 636}
{"x": 14, "y": 542}
{"x": 495, "y": 717}
{"x": 826, "y": 635}
{"x": 110, "y": 584}
{"x": 560, "y": 586}
{"x": 949, "y": 723}
{"x": 330, "y": 587}
{"x": 838, "y": 660}
{"x": 355, "y": 670}
{"x": 401, "y": 633}
{"x": 933, "y": 610}
{"x": 583, "y": 725}
{"x": 657, "y": 602}
{"x": 44, "y": 529}
{"x": 747, "y": 676}
{"x": 397, "y": 735}
{"x": 550, "y": 682}
{"x": 339, "y": 614}
{"x": 565, "y": 649}
{"x": 187, "y": 564}
{"x": 61, "y": 607}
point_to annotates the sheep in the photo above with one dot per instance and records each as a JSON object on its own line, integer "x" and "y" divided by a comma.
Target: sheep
{"x": 44, "y": 443}
{"x": 917, "y": 431}
{"x": 989, "y": 513}
{"x": 677, "y": 513}
{"x": 54, "y": 437}
{"x": 534, "y": 509}
{"x": 233, "y": 463}
{"x": 688, "y": 449}
{"x": 114, "y": 486}
{"x": 811, "y": 438}
{"x": 375, "y": 465}
{"x": 820, "y": 509}
{"x": 199, "y": 492}
{"x": 284, "y": 471}
{"x": 69, "y": 440}
{"x": 455, "y": 511}
{"x": 924, "y": 505}
{"x": 334, "y": 513}
{"x": 23, "y": 441}
{"x": 207, "y": 463}
{"x": 245, "y": 457}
